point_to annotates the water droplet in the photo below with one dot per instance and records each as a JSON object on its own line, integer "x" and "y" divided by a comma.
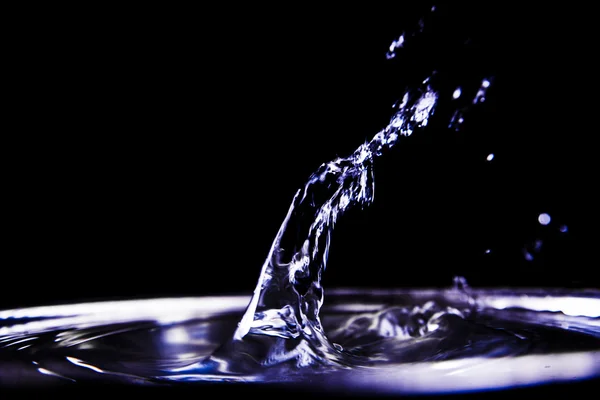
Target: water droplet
{"x": 480, "y": 96}
{"x": 456, "y": 120}
{"x": 456, "y": 93}
{"x": 396, "y": 44}
{"x": 490, "y": 157}
{"x": 544, "y": 219}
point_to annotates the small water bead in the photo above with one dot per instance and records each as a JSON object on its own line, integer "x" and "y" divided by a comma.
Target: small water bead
{"x": 456, "y": 120}
{"x": 480, "y": 95}
{"x": 396, "y": 44}
{"x": 528, "y": 256}
{"x": 544, "y": 219}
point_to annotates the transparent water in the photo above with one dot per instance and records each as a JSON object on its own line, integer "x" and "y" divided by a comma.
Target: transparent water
{"x": 292, "y": 332}
{"x": 398, "y": 341}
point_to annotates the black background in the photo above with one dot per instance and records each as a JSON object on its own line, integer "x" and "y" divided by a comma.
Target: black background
{"x": 159, "y": 150}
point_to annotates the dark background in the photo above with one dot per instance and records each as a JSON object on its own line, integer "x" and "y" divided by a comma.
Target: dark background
{"x": 159, "y": 150}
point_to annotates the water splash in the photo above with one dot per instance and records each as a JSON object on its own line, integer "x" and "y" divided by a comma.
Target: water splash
{"x": 282, "y": 323}
{"x": 288, "y": 321}
{"x": 289, "y": 295}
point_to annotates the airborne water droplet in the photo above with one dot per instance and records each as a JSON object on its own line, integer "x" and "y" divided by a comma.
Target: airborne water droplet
{"x": 544, "y": 219}
{"x": 480, "y": 96}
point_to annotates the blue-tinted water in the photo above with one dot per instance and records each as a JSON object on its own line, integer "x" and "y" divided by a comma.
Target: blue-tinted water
{"x": 293, "y": 330}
